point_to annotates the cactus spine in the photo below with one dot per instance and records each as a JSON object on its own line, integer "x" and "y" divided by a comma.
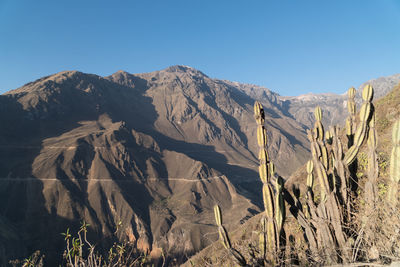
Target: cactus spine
{"x": 394, "y": 165}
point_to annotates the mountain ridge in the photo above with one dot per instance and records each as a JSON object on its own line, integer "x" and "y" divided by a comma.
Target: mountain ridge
{"x": 100, "y": 148}
{"x": 80, "y": 146}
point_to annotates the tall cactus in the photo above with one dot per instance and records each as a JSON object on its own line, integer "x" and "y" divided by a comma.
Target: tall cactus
{"x": 332, "y": 170}
{"x": 263, "y": 157}
{"x": 373, "y": 168}
{"x": 310, "y": 177}
{"x": 351, "y": 120}
{"x": 280, "y": 205}
{"x": 361, "y": 131}
{"x": 318, "y": 159}
{"x": 265, "y": 176}
{"x": 394, "y": 165}
{"x": 272, "y": 222}
{"x": 318, "y": 127}
{"x": 319, "y": 136}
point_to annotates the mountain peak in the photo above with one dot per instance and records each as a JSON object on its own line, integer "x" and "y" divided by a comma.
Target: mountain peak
{"x": 122, "y": 72}
{"x": 184, "y": 69}
{"x": 62, "y": 75}
{"x": 58, "y": 77}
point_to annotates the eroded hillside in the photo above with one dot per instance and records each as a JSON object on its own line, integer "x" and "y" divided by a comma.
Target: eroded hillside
{"x": 151, "y": 151}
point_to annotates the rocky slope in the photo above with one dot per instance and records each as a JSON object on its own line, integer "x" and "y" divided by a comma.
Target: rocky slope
{"x": 153, "y": 151}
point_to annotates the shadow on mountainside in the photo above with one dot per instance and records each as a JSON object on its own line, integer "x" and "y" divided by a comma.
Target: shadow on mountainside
{"x": 24, "y": 204}
{"x": 33, "y": 205}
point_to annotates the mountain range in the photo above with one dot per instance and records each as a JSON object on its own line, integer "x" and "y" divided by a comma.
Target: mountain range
{"x": 153, "y": 152}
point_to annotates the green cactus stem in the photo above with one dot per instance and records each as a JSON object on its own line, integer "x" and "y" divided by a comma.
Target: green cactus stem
{"x": 318, "y": 165}
{"x": 328, "y": 137}
{"x": 266, "y": 171}
{"x": 262, "y": 236}
{"x": 223, "y": 235}
{"x": 318, "y": 127}
{"x": 221, "y": 230}
{"x": 350, "y": 122}
{"x": 272, "y": 169}
{"x": 373, "y": 168}
{"x": 360, "y": 133}
{"x": 394, "y": 165}
{"x": 310, "y": 176}
{"x": 280, "y": 205}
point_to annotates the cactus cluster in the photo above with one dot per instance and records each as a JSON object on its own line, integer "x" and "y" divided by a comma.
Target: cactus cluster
{"x": 325, "y": 220}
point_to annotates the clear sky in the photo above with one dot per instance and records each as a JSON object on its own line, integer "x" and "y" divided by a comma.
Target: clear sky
{"x": 291, "y": 47}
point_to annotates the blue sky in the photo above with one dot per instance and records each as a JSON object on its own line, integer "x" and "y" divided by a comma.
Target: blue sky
{"x": 291, "y": 47}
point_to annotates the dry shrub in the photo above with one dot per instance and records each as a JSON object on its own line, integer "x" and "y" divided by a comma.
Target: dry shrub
{"x": 379, "y": 234}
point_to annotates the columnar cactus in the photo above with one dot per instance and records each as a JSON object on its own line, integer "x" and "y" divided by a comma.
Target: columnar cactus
{"x": 394, "y": 165}
{"x": 339, "y": 166}
{"x": 351, "y": 120}
{"x": 360, "y": 133}
{"x": 221, "y": 230}
{"x": 280, "y": 205}
{"x": 310, "y": 177}
{"x": 264, "y": 171}
{"x": 373, "y": 169}
{"x": 319, "y": 136}
{"x": 319, "y": 167}
{"x": 330, "y": 215}
{"x": 223, "y": 235}
{"x": 318, "y": 127}
{"x": 272, "y": 222}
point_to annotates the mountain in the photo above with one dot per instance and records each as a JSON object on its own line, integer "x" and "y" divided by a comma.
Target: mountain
{"x": 334, "y": 106}
{"x": 152, "y": 151}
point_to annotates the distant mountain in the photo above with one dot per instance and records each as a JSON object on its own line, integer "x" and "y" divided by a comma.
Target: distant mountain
{"x": 333, "y": 105}
{"x": 154, "y": 151}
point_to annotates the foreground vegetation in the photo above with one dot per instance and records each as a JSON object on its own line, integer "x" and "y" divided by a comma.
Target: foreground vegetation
{"x": 80, "y": 252}
{"x": 347, "y": 215}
